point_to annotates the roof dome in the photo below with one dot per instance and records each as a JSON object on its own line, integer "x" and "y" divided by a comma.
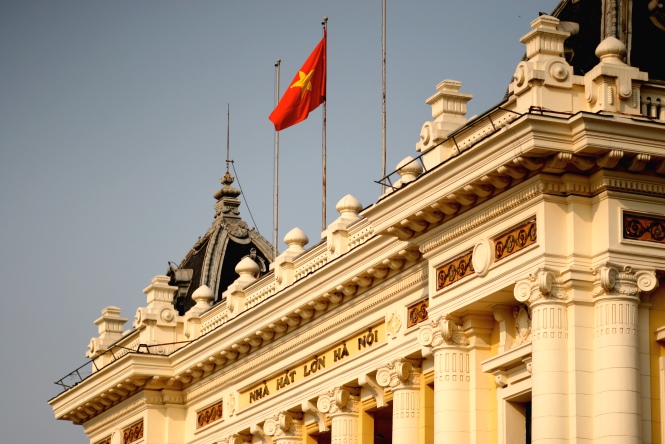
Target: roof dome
{"x": 213, "y": 259}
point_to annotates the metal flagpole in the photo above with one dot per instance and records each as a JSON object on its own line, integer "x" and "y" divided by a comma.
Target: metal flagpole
{"x": 383, "y": 134}
{"x": 323, "y": 204}
{"x": 275, "y": 221}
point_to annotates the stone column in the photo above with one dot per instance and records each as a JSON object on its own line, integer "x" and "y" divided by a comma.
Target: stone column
{"x": 284, "y": 428}
{"x": 403, "y": 378}
{"x": 341, "y": 405}
{"x": 549, "y": 342}
{"x": 617, "y": 399}
{"x": 445, "y": 339}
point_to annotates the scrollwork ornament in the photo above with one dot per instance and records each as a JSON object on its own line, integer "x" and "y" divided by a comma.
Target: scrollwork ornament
{"x": 403, "y": 370}
{"x": 324, "y": 403}
{"x": 447, "y": 329}
{"x": 341, "y": 398}
{"x": 608, "y": 278}
{"x": 522, "y": 291}
{"x": 285, "y": 421}
{"x": 270, "y": 426}
{"x": 646, "y": 280}
{"x": 545, "y": 282}
{"x": 426, "y": 336}
{"x": 383, "y": 377}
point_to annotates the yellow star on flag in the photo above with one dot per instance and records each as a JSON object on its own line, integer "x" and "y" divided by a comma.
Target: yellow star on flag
{"x": 304, "y": 83}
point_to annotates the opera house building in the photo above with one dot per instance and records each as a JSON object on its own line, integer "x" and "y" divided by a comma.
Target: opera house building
{"x": 504, "y": 289}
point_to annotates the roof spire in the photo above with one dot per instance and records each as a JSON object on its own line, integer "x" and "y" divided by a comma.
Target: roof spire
{"x": 227, "y": 196}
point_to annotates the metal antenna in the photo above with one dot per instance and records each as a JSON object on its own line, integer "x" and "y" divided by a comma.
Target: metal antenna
{"x": 228, "y": 133}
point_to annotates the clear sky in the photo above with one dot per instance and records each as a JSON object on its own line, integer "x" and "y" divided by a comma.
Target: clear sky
{"x": 113, "y": 140}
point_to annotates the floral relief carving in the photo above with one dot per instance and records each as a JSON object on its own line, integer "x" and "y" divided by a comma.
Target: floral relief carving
{"x": 418, "y": 313}
{"x": 209, "y": 414}
{"x": 522, "y": 326}
{"x": 453, "y": 271}
{"x": 394, "y": 324}
{"x": 516, "y": 240}
{"x": 132, "y": 433}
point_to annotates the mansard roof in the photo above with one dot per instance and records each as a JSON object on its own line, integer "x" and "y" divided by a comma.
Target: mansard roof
{"x": 639, "y": 25}
{"x": 214, "y": 256}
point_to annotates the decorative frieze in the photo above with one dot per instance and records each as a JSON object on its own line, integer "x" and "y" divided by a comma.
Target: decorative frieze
{"x": 132, "y": 433}
{"x": 516, "y": 240}
{"x": 106, "y": 440}
{"x": 454, "y": 270}
{"x": 418, "y": 313}
{"x": 209, "y": 414}
{"x": 642, "y": 227}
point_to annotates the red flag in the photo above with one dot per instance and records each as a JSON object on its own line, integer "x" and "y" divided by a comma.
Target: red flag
{"x": 305, "y": 93}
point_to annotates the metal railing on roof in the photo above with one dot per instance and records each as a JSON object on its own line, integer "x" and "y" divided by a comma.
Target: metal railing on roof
{"x": 83, "y": 372}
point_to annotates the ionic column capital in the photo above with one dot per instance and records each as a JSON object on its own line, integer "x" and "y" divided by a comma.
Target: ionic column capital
{"x": 399, "y": 374}
{"x": 615, "y": 280}
{"x": 446, "y": 331}
{"x": 541, "y": 286}
{"x": 340, "y": 400}
{"x": 284, "y": 427}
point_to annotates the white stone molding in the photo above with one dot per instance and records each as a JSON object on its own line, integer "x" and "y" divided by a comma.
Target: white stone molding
{"x": 522, "y": 325}
{"x": 611, "y": 84}
{"x": 369, "y": 383}
{"x": 483, "y": 257}
{"x": 545, "y": 71}
{"x": 415, "y": 277}
{"x": 110, "y": 327}
{"x": 283, "y": 266}
{"x": 310, "y": 409}
{"x": 393, "y": 325}
{"x": 503, "y": 314}
{"x": 449, "y": 107}
{"x": 483, "y": 217}
{"x": 337, "y": 233}
{"x": 258, "y": 433}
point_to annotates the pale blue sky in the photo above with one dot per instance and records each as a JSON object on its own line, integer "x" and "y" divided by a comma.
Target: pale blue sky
{"x": 113, "y": 140}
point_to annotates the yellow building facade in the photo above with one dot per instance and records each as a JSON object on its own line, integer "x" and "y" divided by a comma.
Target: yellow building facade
{"x": 504, "y": 289}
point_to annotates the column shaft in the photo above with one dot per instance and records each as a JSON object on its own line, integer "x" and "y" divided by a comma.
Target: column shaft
{"x": 549, "y": 378}
{"x": 451, "y": 395}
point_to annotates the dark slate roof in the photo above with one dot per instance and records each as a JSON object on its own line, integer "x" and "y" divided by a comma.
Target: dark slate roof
{"x": 213, "y": 258}
{"x": 644, "y": 42}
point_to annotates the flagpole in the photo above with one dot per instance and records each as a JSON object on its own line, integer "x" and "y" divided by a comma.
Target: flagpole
{"x": 383, "y": 135}
{"x": 323, "y": 192}
{"x": 275, "y": 221}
